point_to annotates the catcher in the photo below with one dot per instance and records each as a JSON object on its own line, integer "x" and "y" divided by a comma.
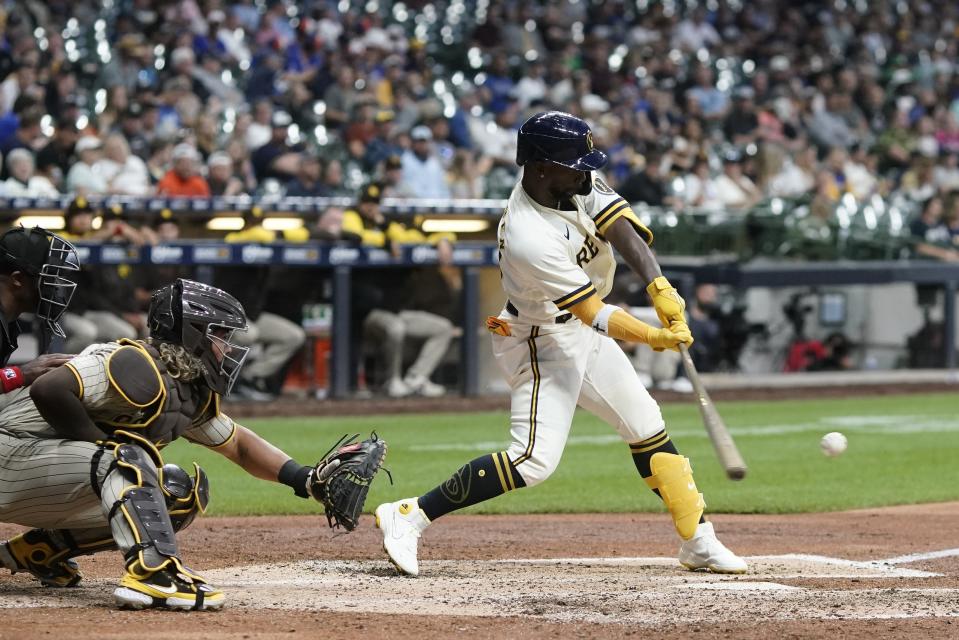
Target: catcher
{"x": 82, "y": 464}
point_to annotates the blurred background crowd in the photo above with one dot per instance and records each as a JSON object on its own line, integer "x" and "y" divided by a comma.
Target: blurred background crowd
{"x": 717, "y": 105}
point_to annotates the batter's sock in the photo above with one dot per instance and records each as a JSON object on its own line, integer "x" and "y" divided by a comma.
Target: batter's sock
{"x": 478, "y": 480}
{"x": 643, "y": 452}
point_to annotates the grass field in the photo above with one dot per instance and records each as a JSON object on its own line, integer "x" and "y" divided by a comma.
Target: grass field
{"x": 902, "y": 449}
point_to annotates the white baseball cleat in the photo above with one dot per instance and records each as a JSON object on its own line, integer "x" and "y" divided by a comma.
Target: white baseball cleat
{"x": 401, "y": 523}
{"x": 705, "y": 551}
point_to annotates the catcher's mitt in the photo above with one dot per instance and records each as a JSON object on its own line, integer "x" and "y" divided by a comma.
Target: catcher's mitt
{"x": 342, "y": 478}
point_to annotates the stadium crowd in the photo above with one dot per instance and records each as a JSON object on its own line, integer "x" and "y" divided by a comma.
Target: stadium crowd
{"x": 715, "y": 105}
{"x": 711, "y": 104}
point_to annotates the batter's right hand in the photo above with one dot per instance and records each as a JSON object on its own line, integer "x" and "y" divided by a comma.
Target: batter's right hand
{"x": 670, "y": 338}
{"x": 47, "y": 362}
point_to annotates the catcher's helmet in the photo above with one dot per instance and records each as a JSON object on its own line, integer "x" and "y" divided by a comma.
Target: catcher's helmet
{"x": 202, "y": 320}
{"x": 558, "y": 137}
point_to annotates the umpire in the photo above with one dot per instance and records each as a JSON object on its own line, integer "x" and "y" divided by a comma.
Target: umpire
{"x": 37, "y": 275}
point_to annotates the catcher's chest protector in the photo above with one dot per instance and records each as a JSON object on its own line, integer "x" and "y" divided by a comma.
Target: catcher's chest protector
{"x": 184, "y": 404}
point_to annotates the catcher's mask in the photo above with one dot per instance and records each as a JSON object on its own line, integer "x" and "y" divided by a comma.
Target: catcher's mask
{"x": 202, "y": 319}
{"x": 52, "y": 262}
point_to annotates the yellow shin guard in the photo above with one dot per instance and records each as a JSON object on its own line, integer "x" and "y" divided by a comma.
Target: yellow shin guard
{"x": 673, "y": 477}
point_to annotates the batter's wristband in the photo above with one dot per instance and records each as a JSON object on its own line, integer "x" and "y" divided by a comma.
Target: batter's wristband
{"x": 293, "y": 474}
{"x": 11, "y": 378}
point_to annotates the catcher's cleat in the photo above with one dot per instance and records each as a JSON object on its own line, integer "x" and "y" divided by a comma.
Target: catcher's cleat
{"x": 401, "y": 523}
{"x": 35, "y": 553}
{"x": 167, "y": 588}
{"x": 704, "y": 551}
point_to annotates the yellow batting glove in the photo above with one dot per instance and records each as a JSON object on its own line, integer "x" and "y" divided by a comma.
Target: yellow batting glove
{"x": 677, "y": 334}
{"x": 669, "y": 305}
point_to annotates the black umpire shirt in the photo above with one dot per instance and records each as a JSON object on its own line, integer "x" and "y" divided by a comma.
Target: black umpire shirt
{"x": 8, "y": 338}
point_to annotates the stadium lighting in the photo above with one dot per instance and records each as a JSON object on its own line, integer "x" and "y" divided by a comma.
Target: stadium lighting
{"x": 47, "y": 222}
{"x": 455, "y": 225}
{"x": 225, "y": 223}
{"x": 282, "y": 224}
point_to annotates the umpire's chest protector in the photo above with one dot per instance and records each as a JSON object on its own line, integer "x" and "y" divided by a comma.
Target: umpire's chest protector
{"x": 157, "y": 405}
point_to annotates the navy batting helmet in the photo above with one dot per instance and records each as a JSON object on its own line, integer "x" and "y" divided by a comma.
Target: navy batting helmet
{"x": 558, "y": 137}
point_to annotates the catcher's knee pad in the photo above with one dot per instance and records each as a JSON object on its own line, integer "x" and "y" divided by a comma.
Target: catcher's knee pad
{"x": 185, "y": 496}
{"x": 137, "y": 508}
{"x": 673, "y": 477}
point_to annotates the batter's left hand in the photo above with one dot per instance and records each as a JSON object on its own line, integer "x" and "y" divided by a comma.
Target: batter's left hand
{"x": 669, "y": 305}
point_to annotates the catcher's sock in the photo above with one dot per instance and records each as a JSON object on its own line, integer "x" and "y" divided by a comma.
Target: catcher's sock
{"x": 478, "y": 480}
{"x": 643, "y": 451}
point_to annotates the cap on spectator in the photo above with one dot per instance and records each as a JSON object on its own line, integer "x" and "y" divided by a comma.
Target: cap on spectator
{"x": 371, "y": 193}
{"x": 253, "y": 215}
{"x": 133, "y": 110}
{"x": 744, "y": 92}
{"x": 77, "y": 206}
{"x": 113, "y": 212}
{"x": 385, "y": 115}
{"x": 394, "y": 162}
{"x": 281, "y": 119}
{"x": 184, "y": 151}
{"x": 86, "y": 143}
{"x": 421, "y": 132}
{"x": 219, "y": 158}
{"x": 166, "y": 216}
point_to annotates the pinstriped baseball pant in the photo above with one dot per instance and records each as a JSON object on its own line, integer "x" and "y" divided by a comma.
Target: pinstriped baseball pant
{"x": 553, "y": 368}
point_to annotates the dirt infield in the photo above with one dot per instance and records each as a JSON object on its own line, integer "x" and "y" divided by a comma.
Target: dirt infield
{"x": 875, "y": 573}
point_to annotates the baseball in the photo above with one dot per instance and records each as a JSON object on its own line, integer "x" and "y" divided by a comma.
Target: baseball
{"x": 833, "y": 444}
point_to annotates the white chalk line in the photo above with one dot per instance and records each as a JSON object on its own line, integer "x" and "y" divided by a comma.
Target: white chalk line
{"x": 921, "y": 557}
{"x": 864, "y": 425}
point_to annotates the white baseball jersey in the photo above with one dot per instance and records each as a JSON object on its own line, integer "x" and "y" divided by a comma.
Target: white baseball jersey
{"x": 550, "y": 260}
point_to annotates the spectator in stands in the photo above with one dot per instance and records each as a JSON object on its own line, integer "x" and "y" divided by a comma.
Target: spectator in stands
{"x": 220, "y": 175}
{"x": 931, "y": 237}
{"x": 184, "y": 179}
{"x": 307, "y": 183}
{"x": 699, "y": 189}
{"x": 742, "y": 124}
{"x": 704, "y": 99}
{"x": 340, "y": 98}
{"x": 695, "y": 33}
{"x": 733, "y": 188}
{"x": 25, "y": 137}
{"x": 55, "y": 158}
{"x": 125, "y": 173}
{"x": 828, "y": 127}
{"x": 22, "y": 181}
{"x": 277, "y": 158}
{"x": 648, "y": 184}
{"x": 466, "y": 175}
{"x": 423, "y": 173}
{"x": 796, "y": 176}
{"x": 82, "y": 177}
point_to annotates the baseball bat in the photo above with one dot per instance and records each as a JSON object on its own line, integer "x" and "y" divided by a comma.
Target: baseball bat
{"x": 722, "y": 441}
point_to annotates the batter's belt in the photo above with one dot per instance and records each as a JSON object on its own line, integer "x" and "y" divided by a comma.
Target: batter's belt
{"x": 562, "y": 318}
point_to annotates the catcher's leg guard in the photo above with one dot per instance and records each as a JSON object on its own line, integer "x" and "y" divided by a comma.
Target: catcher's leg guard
{"x": 135, "y": 502}
{"x": 673, "y": 477}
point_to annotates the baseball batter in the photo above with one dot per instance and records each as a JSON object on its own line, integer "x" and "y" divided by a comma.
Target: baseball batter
{"x": 554, "y": 343}
{"x": 81, "y": 461}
